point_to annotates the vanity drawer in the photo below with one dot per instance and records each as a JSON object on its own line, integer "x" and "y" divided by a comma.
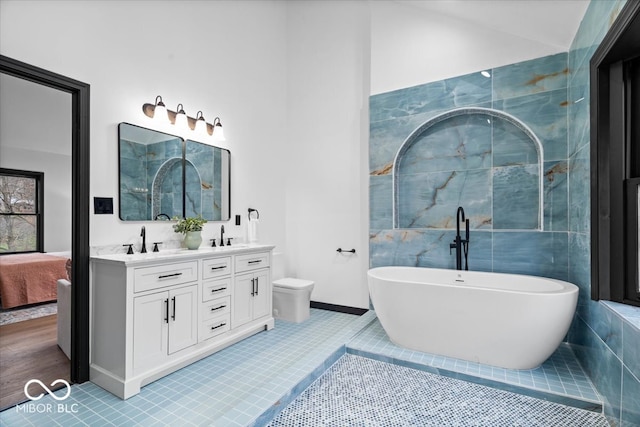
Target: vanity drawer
{"x": 215, "y": 289}
{"x": 216, "y": 267}
{"x": 214, "y": 327}
{"x": 252, "y": 261}
{"x": 160, "y": 276}
{"x": 216, "y": 308}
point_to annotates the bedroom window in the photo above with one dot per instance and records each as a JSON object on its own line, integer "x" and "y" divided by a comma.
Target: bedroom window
{"x": 21, "y": 211}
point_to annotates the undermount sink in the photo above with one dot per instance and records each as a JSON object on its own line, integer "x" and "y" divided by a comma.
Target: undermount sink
{"x": 159, "y": 254}
{"x": 225, "y": 248}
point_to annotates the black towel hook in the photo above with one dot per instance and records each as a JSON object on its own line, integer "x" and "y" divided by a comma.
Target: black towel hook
{"x": 254, "y": 210}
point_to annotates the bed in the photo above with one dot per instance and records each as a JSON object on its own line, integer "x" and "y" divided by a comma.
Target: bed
{"x": 31, "y": 278}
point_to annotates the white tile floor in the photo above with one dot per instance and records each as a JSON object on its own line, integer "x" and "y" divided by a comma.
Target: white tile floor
{"x": 245, "y": 384}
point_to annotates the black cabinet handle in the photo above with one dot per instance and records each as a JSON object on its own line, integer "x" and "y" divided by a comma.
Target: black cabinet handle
{"x": 166, "y": 310}
{"x": 257, "y": 286}
{"x": 218, "y": 308}
{"x": 217, "y": 290}
{"x": 169, "y": 275}
{"x": 255, "y": 261}
{"x": 253, "y": 287}
{"x": 219, "y": 326}
{"x": 218, "y": 268}
{"x": 173, "y": 316}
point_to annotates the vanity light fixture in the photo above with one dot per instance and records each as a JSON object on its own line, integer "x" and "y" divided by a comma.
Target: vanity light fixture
{"x": 158, "y": 111}
{"x": 201, "y": 124}
{"x": 217, "y": 132}
{"x": 180, "y": 119}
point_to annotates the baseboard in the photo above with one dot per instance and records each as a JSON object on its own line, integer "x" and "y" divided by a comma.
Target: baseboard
{"x": 339, "y": 308}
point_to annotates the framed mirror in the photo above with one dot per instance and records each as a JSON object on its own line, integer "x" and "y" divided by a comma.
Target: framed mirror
{"x": 163, "y": 176}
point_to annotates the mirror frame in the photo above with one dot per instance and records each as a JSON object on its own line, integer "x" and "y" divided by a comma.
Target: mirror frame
{"x": 80, "y": 163}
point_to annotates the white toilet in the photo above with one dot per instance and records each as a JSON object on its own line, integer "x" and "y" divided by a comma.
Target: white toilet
{"x": 291, "y": 296}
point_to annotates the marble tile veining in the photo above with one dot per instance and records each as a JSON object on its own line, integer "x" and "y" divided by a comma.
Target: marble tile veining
{"x": 529, "y": 77}
{"x": 506, "y": 163}
{"x": 461, "y": 91}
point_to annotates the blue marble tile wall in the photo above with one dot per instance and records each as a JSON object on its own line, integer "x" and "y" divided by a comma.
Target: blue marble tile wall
{"x": 136, "y": 188}
{"x": 479, "y": 161}
{"x": 134, "y": 194}
{"x": 203, "y": 185}
{"x": 603, "y": 335}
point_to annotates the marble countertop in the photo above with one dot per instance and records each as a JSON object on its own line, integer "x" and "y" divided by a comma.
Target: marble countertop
{"x": 139, "y": 259}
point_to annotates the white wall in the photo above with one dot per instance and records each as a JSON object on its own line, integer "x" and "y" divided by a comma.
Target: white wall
{"x": 327, "y": 122}
{"x": 290, "y": 81}
{"x": 35, "y": 135}
{"x": 412, "y": 46}
{"x": 224, "y": 58}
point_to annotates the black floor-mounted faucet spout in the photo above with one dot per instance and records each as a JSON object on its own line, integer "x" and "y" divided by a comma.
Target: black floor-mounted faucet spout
{"x": 459, "y": 244}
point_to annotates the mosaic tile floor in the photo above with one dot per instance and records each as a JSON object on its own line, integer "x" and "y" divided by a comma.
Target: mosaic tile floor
{"x": 245, "y": 384}
{"x": 559, "y": 379}
{"x": 357, "y": 391}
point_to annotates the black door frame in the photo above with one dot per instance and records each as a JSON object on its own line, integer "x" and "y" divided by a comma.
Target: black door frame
{"x": 80, "y": 203}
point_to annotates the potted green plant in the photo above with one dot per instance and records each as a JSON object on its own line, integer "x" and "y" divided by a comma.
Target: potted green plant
{"x": 191, "y": 228}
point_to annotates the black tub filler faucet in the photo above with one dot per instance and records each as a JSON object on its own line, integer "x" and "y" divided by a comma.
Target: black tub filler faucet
{"x": 459, "y": 244}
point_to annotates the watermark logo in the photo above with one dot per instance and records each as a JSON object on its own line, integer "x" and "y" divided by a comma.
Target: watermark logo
{"x": 38, "y": 397}
{"x": 49, "y": 408}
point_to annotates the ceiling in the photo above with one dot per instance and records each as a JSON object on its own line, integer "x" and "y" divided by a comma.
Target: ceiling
{"x": 553, "y": 22}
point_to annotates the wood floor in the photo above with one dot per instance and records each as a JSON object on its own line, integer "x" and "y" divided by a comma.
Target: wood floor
{"x": 29, "y": 350}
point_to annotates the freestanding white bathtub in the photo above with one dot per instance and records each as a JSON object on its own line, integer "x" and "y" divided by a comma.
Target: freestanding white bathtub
{"x": 506, "y": 320}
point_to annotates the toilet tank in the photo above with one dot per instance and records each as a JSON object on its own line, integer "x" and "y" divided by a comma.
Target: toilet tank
{"x": 277, "y": 266}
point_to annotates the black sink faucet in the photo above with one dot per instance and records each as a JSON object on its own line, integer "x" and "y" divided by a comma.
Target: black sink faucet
{"x": 222, "y": 235}
{"x": 143, "y": 234}
{"x": 459, "y": 244}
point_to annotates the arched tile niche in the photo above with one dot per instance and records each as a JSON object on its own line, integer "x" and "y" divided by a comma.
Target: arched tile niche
{"x": 484, "y": 160}
{"x": 168, "y": 186}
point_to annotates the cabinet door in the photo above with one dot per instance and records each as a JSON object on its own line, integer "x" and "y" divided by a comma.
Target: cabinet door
{"x": 183, "y": 321}
{"x": 242, "y": 300}
{"x": 150, "y": 326}
{"x": 262, "y": 294}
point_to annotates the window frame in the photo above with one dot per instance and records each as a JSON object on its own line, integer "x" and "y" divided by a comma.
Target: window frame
{"x": 39, "y": 208}
{"x": 615, "y": 163}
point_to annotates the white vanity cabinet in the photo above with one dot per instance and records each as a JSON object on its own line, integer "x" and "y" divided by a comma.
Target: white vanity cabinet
{"x": 215, "y": 310}
{"x": 163, "y": 323}
{"x": 152, "y": 314}
{"x": 252, "y": 288}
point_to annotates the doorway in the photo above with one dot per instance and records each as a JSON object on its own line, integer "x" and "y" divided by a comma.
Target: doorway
{"x": 80, "y": 197}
